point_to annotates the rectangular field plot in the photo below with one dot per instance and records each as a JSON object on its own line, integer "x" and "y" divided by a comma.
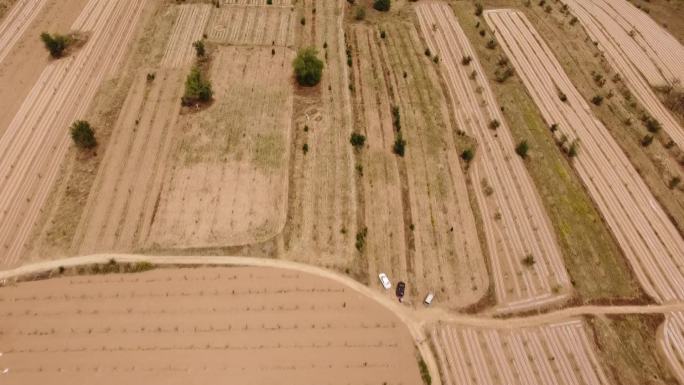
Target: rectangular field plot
{"x": 649, "y": 239}
{"x": 189, "y": 27}
{"x": 558, "y": 353}
{"x": 672, "y": 343}
{"x": 515, "y": 223}
{"x": 228, "y": 182}
{"x": 252, "y": 26}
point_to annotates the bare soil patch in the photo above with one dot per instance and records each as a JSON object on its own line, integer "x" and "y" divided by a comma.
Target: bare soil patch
{"x": 198, "y": 325}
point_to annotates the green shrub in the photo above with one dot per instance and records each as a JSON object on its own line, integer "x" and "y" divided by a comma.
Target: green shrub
{"x": 424, "y": 372}
{"x": 308, "y": 67}
{"x": 382, "y": 5}
{"x": 674, "y": 182}
{"x": 199, "y": 48}
{"x": 466, "y": 60}
{"x": 83, "y": 135}
{"x": 522, "y": 148}
{"x": 478, "y": 9}
{"x": 652, "y": 125}
{"x": 360, "y": 13}
{"x": 357, "y": 140}
{"x": 361, "y": 239}
{"x": 494, "y": 124}
{"x": 646, "y": 140}
{"x": 396, "y": 118}
{"x": 197, "y": 88}
{"x": 529, "y": 260}
{"x": 56, "y": 43}
{"x": 597, "y": 100}
{"x": 468, "y": 154}
{"x": 399, "y": 145}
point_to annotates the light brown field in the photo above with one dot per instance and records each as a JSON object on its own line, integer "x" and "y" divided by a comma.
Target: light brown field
{"x": 641, "y": 59}
{"x": 421, "y": 227}
{"x": 228, "y": 182}
{"x": 198, "y": 326}
{"x": 250, "y": 25}
{"x": 671, "y": 341}
{"x": 33, "y": 145}
{"x": 515, "y": 224}
{"x": 557, "y": 353}
{"x": 648, "y": 238}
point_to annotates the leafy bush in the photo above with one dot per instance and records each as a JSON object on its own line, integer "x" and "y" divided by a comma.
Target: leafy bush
{"x": 56, "y": 43}
{"x": 501, "y": 74}
{"x": 522, "y": 148}
{"x": 308, "y": 67}
{"x": 396, "y": 118}
{"x": 652, "y": 125}
{"x": 466, "y": 60}
{"x": 382, "y": 5}
{"x": 478, "y": 9}
{"x": 468, "y": 154}
{"x": 424, "y": 372}
{"x": 197, "y": 88}
{"x": 360, "y": 13}
{"x": 529, "y": 260}
{"x": 199, "y": 48}
{"x": 361, "y": 239}
{"x": 646, "y": 140}
{"x": 83, "y": 135}
{"x": 357, "y": 140}
{"x": 597, "y": 100}
{"x": 494, "y": 124}
{"x": 562, "y": 96}
{"x": 399, "y": 145}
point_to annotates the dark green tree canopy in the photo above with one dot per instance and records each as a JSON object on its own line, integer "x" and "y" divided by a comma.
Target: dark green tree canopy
{"x": 308, "y": 67}
{"x": 83, "y": 135}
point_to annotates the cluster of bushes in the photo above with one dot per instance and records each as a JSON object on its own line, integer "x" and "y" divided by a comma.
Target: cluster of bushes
{"x": 361, "y": 239}
{"x": 197, "y": 88}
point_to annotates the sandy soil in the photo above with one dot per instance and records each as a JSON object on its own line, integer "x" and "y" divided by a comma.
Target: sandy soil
{"x": 631, "y": 60}
{"x": 228, "y": 183}
{"x": 515, "y": 223}
{"x": 179, "y": 326}
{"x": 557, "y": 353}
{"x": 36, "y": 140}
{"x": 652, "y": 244}
{"x": 251, "y": 25}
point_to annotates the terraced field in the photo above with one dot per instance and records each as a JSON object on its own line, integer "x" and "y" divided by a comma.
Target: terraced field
{"x": 421, "y": 227}
{"x": 515, "y": 224}
{"x": 557, "y": 353}
{"x": 250, "y": 25}
{"x": 650, "y": 241}
{"x": 16, "y": 22}
{"x": 641, "y": 58}
{"x": 36, "y": 140}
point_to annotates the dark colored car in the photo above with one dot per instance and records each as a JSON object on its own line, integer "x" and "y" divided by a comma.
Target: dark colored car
{"x": 401, "y": 286}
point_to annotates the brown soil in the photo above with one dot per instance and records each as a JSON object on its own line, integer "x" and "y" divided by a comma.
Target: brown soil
{"x": 197, "y": 325}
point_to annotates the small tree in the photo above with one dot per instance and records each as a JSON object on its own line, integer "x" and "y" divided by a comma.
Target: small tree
{"x": 308, "y": 67}
{"x": 56, "y": 43}
{"x": 399, "y": 145}
{"x": 382, "y": 5}
{"x": 83, "y": 135}
{"x": 357, "y": 140}
{"x": 529, "y": 260}
{"x": 522, "y": 148}
{"x": 197, "y": 88}
{"x": 199, "y": 48}
{"x": 468, "y": 154}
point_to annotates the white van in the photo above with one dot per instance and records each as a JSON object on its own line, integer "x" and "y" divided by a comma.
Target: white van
{"x": 429, "y": 298}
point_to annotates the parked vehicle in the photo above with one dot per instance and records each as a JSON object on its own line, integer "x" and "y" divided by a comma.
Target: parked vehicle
{"x": 401, "y": 286}
{"x": 385, "y": 281}
{"x": 428, "y": 298}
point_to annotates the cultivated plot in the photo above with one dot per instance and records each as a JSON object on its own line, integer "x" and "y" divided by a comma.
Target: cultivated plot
{"x": 652, "y": 244}
{"x": 558, "y": 353}
{"x": 228, "y": 181}
{"x": 200, "y": 325}
{"x": 644, "y": 43}
{"x": 16, "y": 22}
{"x": 527, "y": 265}
{"x": 671, "y": 339}
{"x": 627, "y": 52}
{"x": 420, "y": 223}
{"x": 189, "y": 27}
{"x": 244, "y": 25}
{"x": 33, "y": 145}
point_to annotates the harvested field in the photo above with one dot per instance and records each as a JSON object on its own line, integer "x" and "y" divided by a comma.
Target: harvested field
{"x": 189, "y": 27}
{"x": 197, "y": 325}
{"x": 434, "y": 245}
{"x": 671, "y": 340}
{"x": 515, "y": 224}
{"x": 276, "y": 3}
{"x": 322, "y": 212}
{"x": 647, "y": 46}
{"x": 247, "y": 25}
{"x": 652, "y": 244}
{"x": 667, "y": 13}
{"x": 228, "y": 183}
{"x": 36, "y": 140}
{"x": 558, "y": 353}
{"x": 129, "y": 181}
{"x": 631, "y": 60}
{"x": 17, "y": 21}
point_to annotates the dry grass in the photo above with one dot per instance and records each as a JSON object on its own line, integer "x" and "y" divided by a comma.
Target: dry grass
{"x": 627, "y": 347}
{"x": 591, "y": 254}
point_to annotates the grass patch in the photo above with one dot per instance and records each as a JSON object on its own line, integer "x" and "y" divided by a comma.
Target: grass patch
{"x": 424, "y": 372}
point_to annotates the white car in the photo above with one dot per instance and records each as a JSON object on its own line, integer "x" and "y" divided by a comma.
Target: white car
{"x": 385, "y": 281}
{"x": 429, "y": 298}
